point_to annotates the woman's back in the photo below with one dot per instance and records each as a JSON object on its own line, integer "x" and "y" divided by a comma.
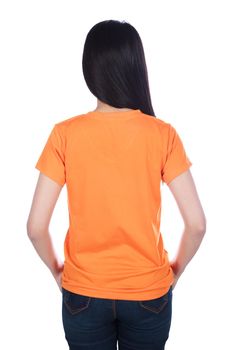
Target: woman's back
{"x": 113, "y": 164}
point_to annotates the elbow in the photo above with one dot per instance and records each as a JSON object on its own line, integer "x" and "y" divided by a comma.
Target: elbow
{"x": 197, "y": 228}
{"x": 201, "y": 230}
{"x": 34, "y": 231}
{"x": 203, "y": 226}
{"x": 30, "y": 231}
{"x": 28, "y": 228}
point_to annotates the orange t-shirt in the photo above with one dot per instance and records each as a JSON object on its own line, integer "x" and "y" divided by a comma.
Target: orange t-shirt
{"x": 112, "y": 164}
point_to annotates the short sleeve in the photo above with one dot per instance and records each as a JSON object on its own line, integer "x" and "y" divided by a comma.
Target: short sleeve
{"x": 51, "y": 161}
{"x": 175, "y": 158}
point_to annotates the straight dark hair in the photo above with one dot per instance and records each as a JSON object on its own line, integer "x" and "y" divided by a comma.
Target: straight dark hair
{"x": 114, "y": 66}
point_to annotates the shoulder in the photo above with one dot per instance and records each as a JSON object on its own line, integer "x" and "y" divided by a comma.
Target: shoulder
{"x": 161, "y": 125}
{"x": 64, "y": 125}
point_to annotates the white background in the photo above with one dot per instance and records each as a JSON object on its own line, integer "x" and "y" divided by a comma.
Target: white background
{"x": 188, "y": 48}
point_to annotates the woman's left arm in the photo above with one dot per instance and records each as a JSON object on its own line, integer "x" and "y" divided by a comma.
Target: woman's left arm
{"x": 45, "y": 197}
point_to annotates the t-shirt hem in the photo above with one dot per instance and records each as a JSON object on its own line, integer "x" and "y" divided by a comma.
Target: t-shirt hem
{"x": 177, "y": 172}
{"x": 49, "y": 174}
{"x": 146, "y": 295}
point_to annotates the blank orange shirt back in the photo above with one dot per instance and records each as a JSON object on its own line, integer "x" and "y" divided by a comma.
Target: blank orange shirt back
{"x": 112, "y": 164}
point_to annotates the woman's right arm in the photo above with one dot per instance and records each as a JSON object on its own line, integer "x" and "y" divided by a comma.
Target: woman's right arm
{"x": 185, "y": 193}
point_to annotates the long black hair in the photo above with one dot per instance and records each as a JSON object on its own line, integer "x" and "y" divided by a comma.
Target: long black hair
{"x": 114, "y": 66}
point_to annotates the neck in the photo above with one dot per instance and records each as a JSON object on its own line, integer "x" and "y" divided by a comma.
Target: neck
{"x": 101, "y": 106}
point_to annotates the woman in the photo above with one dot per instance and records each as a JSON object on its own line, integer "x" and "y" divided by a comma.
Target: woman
{"x": 116, "y": 280}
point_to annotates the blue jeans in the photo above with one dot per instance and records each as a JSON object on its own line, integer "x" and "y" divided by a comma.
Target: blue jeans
{"x": 99, "y": 324}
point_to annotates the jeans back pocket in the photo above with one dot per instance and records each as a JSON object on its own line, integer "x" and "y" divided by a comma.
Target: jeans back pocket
{"x": 75, "y": 303}
{"x": 158, "y": 304}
